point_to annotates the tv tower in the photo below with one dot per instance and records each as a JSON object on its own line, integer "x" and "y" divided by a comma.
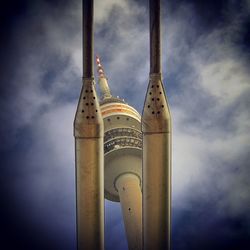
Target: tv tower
{"x": 122, "y": 158}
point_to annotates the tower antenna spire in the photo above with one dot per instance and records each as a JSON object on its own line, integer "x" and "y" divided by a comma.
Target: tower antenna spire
{"x": 102, "y": 80}
{"x": 100, "y": 69}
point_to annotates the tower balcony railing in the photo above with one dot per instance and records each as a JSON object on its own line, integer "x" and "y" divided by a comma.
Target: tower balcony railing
{"x": 118, "y": 143}
{"x": 120, "y": 132}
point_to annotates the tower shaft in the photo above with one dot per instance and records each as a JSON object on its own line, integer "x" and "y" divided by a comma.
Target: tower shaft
{"x": 130, "y": 195}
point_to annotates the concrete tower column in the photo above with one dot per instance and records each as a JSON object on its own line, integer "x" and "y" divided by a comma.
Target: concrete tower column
{"x": 128, "y": 186}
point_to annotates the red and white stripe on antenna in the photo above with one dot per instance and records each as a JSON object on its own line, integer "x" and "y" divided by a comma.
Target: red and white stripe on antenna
{"x": 100, "y": 70}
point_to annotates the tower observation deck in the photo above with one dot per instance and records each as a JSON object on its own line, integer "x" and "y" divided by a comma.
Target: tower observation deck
{"x": 122, "y": 158}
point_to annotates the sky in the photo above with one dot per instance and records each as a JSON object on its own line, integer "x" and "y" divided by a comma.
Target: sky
{"x": 205, "y": 64}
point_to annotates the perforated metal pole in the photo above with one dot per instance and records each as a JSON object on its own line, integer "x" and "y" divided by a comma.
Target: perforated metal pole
{"x": 89, "y": 155}
{"x": 156, "y": 130}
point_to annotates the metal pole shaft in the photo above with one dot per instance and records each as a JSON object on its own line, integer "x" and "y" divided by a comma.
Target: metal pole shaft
{"x": 89, "y": 155}
{"x": 155, "y": 37}
{"x": 89, "y": 160}
{"x": 88, "y": 38}
{"x": 156, "y": 130}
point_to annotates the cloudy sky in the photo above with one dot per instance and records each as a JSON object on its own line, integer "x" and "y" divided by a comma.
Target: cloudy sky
{"x": 206, "y": 59}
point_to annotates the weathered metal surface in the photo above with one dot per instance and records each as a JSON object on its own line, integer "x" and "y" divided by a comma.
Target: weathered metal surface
{"x": 88, "y": 38}
{"x": 89, "y": 155}
{"x": 156, "y": 129}
{"x": 155, "y": 36}
{"x": 157, "y": 146}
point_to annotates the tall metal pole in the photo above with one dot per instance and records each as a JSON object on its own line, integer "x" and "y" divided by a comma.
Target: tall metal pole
{"x": 156, "y": 129}
{"x": 155, "y": 36}
{"x": 89, "y": 155}
{"x": 88, "y": 38}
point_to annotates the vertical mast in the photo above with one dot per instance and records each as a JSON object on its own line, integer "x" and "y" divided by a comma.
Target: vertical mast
{"x": 155, "y": 37}
{"x": 87, "y": 38}
{"x": 156, "y": 130}
{"x": 89, "y": 155}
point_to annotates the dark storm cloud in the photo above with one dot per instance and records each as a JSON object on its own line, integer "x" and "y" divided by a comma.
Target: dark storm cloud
{"x": 207, "y": 79}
